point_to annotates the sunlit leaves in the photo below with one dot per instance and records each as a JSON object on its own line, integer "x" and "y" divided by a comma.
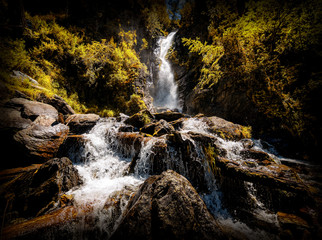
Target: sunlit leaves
{"x": 211, "y": 54}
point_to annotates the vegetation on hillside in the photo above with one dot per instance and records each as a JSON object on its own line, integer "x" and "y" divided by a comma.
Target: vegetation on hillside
{"x": 92, "y": 73}
{"x": 272, "y": 47}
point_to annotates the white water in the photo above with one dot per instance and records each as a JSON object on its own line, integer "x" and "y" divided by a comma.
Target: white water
{"x": 166, "y": 90}
{"x": 105, "y": 175}
{"x": 102, "y": 173}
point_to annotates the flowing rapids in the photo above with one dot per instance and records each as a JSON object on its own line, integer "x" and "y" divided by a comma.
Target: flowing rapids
{"x": 165, "y": 91}
{"x": 106, "y": 175}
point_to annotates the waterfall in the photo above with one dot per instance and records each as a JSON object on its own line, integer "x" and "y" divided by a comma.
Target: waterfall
{"x": 165, "y": 90}
{"x": 107, "y": 179}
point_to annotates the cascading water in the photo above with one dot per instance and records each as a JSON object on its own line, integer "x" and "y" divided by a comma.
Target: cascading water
{"x": 165, "y": 90}
{"x": 105, "y": 172}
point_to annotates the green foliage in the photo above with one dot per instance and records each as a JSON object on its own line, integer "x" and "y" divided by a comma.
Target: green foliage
{"x": 155, "y": 16}
{"x": 211, "y": 54}
{"x": 268, "y": 49}
{"x": 135, "y": 104}
{"x": 96, "y": 73}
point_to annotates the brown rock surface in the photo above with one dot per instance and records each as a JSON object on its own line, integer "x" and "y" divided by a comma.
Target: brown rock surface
{"x": 167, "y": 207}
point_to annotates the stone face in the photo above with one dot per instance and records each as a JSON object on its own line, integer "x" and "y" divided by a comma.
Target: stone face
{"x": 57, "y": 102}
{"x": 10, "y": 118}
{"x": 81, "y": 123}
{"x": 167, "y": 207}
{"x": 226, "y": 129}
{"x": 139, "y": 119}
{"x": 168, "y": 116}
{"x": 158, "y": 129}
{"x": 33, "y": 109}
{"x": 34, "y": 191}
{"x": 41, "y": 143}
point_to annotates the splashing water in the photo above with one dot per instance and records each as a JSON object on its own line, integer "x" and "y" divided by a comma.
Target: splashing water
{"x": 105, "y": 173}
{"x": 166, "y": 92}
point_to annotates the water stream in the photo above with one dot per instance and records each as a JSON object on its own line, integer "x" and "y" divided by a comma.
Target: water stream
{"x": 105, "y": 166}
{"x": 165, "y": 90}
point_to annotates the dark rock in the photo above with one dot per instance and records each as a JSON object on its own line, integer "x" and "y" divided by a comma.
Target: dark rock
{"x": 40, "y": 143}
{"x": 169, "y": 116}
{"x": 262, "y": 158}
{"x": 129, "y": 143}
{"x": 73, "y": 148}
{"x": 276, "y": 186}
{"x": 167, "y": 207}
{"x": 10, "y": 118}
{"x": 81, "y": 123}
{"x": 32, "y": 109}
{"x": 126, "y": 128}
{"x": 177, "y": 124}
{"x": 35, "y": 191}
{"x": 139, "y": 119}
{"x": 57, "y": 102}
{"x": 226, "y": 129}
{"x": 158, "y": 129}
{"x": 43, "y": 227}
{"x": 247, "y": 143}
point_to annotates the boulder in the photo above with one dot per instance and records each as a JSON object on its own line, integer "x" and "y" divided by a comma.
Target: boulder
{"x": 40, "y": 143}
{"x": 158, "y": 129}
{"x": 139, "y": 119}
{"x": 262, "y": 158}
{"x": 167, "y": 207}
{"x": 227, "y": 130}
{"x": 169, "y": 116}
{"x": 10, "y": 118}
{"x": 73, "y": 148}
{"x": 32, "y": 109}
{"x": 81, "y": 123}
{"x": 57, "y": 102}
{"x": 36, "y": 190}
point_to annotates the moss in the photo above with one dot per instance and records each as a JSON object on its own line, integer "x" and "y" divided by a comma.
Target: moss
{"x": 246, "y": 131}
{"x": 211, "y": 156}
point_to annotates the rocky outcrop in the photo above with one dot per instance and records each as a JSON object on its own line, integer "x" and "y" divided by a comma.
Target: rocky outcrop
{"x": 32, "y": 109}
{"x": 30, "y": 132}
{"x": 169, "y": 116}
{"x": 36, "y": 190}
{"x": 167, "y": 207}
{"x": 57, "y": 102}
{"x": 41, "y": 142}
{"x": 158, "y": 129}
{"x": 139, "y": 119}
{"x": 81, "y": 123}
{"x": 226, "y": 129}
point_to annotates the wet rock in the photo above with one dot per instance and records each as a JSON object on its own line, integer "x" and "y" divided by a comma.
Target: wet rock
{"x": 158, "y": 129}
{"x": 129, "y": 143}
{"x": 250, "y": 187}
{"x": 262, "y": 158}
{"x": 294, "y": 227}
{"x": 177, "y": 124}
{"x": 43, "y": 227}
{"x": 169, "y": 116}
{"x": 139, "y": 119}
{"x": 167, "y": 207}
{"x": 227, "y": 130}
{"x": 81, "y": 123}
{"x": 126, "y": 128}
{"x": 247, "y": 143}
{"x": 73, "y": 148}
{"x": 40, "y": 143}
{"x": 34, "y": 191}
